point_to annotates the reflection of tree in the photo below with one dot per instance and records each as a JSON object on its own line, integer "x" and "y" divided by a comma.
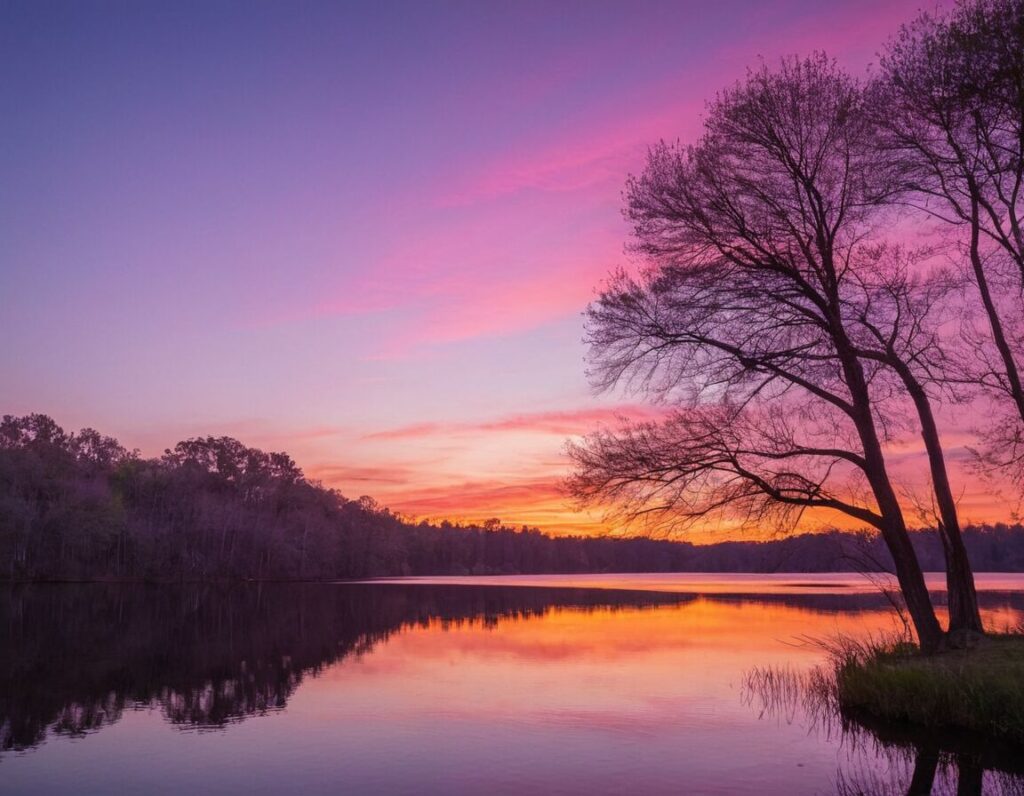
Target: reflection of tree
{"x": 886, "y": 758}
{"x": 926, "y": 770}
{"x": 73, "y": 657}
{"x": 933, "y": 762}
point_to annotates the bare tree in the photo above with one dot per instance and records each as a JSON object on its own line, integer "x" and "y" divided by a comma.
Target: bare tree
{"x": 950, "y": 104}
{"x": 760, "y": 237}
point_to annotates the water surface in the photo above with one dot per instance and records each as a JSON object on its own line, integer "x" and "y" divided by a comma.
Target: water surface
{"x": 553, "y": 684}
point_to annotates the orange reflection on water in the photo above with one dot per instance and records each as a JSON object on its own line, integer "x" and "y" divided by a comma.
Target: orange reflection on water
{"x": 552, "y": 690}
{"x": 620, "y": 667}
{"x": 614, "y": 668}
{"x": 793, "y": 583}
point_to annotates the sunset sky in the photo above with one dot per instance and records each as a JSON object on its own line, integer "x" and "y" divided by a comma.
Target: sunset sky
{"x": 363, "y": 234}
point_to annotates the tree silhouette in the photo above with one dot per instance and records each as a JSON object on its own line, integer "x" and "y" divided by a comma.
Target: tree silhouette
{"x": 774, "y": 313}
{"x": 949, "y": 105}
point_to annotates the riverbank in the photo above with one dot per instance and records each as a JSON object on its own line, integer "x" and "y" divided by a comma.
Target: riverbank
{"x": 979, "y": 690}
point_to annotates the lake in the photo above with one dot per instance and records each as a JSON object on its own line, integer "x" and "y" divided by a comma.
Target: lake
{"x": 594, "y": 684}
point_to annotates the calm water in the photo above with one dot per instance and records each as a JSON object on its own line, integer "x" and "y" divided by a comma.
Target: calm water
{"x": 598, "y": 684}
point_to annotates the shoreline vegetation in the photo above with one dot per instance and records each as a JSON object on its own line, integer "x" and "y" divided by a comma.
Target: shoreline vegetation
{"x": 977, "y": 691}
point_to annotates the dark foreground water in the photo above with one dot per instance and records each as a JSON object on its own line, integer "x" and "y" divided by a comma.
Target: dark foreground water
{"x": 603, "y": 684}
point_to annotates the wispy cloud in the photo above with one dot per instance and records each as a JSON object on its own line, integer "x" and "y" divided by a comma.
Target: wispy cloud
{"x": 558, "y": 422}
{"x": 579, "y": 162}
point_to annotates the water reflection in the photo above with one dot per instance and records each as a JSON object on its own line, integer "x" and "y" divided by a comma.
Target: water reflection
{"x": 72, "y": 657}
{"x": 442, "y": 688}
{"x": 924, "y": 762}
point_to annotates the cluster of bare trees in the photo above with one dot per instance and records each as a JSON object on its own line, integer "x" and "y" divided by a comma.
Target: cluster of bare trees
{"x": 832, "y": 261}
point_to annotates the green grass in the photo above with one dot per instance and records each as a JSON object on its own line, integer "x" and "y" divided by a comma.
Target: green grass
{"x": 980, "y": 690}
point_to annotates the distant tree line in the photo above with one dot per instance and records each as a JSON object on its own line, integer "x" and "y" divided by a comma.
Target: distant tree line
{"x": 81, "y": 506}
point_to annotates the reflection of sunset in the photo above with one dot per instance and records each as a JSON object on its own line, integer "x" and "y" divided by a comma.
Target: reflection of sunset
{"x": 576, "y": 671}
{"x": 417, "y": 688}
{"x": 733, "y": 585}
{"x": 599, "y": 700}
{"x": 508, "y": 669}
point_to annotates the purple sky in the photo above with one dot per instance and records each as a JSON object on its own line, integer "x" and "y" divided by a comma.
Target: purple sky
{"x": 362, "y": 234}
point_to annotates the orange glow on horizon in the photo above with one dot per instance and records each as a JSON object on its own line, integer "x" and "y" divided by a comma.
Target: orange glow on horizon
{"x": 525, "y": 466}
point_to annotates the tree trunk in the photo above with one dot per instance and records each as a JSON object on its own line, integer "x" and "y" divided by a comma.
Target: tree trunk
{"x": 894, "y": 533}
{"x": 1013, "y": 379}
{"x": 970, "y": 778}
{"x": 926, "y": 765}
{"x": 912, "y": 585}
{"x": 894, "y": 528}
{"x": 964, "y": 616}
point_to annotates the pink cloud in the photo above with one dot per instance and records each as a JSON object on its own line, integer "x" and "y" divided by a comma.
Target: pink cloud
{"x": 495, "y": 307}
{"x": 411, "y": 431}
{"x": 473, "y": 496}
{"x": 595, "y": 153}
{"x": 566, "y": 166}
{"x": 561, "y": 423}
{"x": 495, "y": 267}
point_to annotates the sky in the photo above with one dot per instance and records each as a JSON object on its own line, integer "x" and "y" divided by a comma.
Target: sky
{"x": 360, "y": 233}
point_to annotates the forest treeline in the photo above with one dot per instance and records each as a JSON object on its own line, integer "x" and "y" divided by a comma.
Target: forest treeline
{"x": 82, "y": 506}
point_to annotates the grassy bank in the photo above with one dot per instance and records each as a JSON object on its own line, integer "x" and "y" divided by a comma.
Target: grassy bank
{"x": 980, "y": 690}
